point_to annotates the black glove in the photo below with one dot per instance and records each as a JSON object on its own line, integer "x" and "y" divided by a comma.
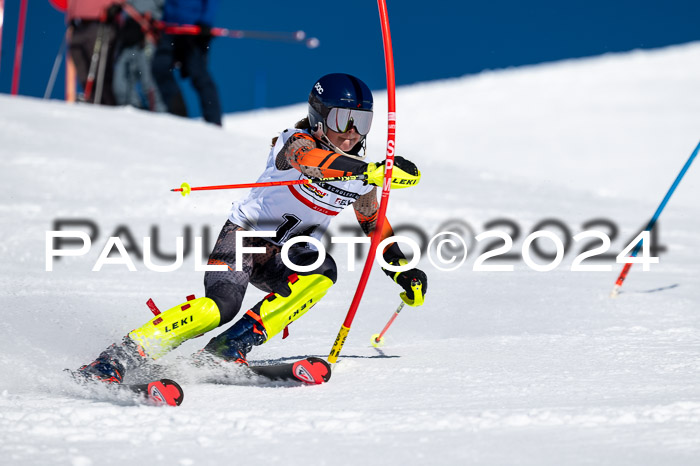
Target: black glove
{"x": 413, "y": 281}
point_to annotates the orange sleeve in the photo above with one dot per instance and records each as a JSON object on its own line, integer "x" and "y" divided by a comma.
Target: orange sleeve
{"x": 327, "y": 163}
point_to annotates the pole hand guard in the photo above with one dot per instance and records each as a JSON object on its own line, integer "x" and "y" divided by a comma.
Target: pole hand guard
{"x": 418, "y": 299}
{"x": 413, "y": 281}
{"x": 404, "y": 174}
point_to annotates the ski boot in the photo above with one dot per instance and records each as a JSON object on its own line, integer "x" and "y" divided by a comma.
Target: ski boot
{"x": 110, "y": 366}
{"x": 234, "y": 344}
{"x": 267, "y": 318}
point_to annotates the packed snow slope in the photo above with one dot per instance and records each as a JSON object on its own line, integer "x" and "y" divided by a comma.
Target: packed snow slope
{"x": 518, "y": 367}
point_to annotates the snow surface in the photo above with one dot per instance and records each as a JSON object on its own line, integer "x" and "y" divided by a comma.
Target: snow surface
{"x": 521, "y": 367}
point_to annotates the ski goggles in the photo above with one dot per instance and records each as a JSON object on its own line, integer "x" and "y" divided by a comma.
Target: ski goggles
{"x": 342, "y": 120}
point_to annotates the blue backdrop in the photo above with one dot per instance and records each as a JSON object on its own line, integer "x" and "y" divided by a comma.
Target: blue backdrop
{"x": 432, "y": 40}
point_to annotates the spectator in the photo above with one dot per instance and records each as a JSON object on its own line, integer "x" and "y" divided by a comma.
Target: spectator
{"x": 190, "y": 53}
{"x": 133, "y": 82}
{"x": 92, "y": 47}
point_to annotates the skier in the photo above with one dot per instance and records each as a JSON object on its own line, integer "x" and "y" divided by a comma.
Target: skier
{"x": 329, "y": 142}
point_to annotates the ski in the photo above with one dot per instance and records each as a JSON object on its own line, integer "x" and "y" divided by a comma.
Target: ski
{"x": 156, "y": 392}
{"x": 312, "y": 371}
{"x": 307, "y": 371}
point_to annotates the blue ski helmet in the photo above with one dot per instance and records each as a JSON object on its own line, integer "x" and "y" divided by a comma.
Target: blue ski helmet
{"x": 340, "y": 91}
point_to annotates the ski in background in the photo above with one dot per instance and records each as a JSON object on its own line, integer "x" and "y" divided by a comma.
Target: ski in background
{"x": 102, "y": 68}
{"x": 92, "y": 71}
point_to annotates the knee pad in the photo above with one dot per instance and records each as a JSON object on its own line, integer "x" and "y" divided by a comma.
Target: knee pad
{"x": 168, "y": 330}
{"x": 275, "y": 311}
{"x": 304, "y": 256}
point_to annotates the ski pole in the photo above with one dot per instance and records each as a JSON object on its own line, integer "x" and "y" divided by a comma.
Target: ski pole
{"x": 417, "y": 287}
{"x": 56, "y": 66}
{"x": 652, "y": 222}
{"x": 102, "y": 69}
{"x": 191, "y": 29}
{"x": 185, "y": 188}
{"x": 92, "y": 70}
{"x": 378, "y": 338}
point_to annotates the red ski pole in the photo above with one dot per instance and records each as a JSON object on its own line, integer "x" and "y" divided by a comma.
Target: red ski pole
{"x": 185, "y": 188}
{"x": 417, "y": 287}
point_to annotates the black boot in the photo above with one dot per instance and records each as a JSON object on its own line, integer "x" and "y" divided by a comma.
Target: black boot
{"x": 235, "y": 343}
{"x": 111, "y": 365}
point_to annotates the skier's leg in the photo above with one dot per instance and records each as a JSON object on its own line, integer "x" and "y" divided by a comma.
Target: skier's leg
{"x": 166, "y": 331}
{"x": 154, "y": 339}
{"x": 292, "y": 295}
{"x": 224, "y": 294}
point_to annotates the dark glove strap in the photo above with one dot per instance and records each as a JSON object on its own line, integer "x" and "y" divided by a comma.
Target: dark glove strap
{"x": 406, "y": 165}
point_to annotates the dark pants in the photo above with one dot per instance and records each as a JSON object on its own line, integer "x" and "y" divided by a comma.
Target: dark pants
{"x": 192, "y": 53}
{"x": 265, "y": 271}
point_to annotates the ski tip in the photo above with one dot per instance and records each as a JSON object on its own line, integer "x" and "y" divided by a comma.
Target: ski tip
{"x": 166, "y": 391}
{"x": 312, "y": 370}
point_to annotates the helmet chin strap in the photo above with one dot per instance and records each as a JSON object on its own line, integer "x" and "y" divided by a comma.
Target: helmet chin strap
{"x": 320, "y": 134}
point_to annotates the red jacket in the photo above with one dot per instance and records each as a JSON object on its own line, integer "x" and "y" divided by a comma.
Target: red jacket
{"x": 87, "y": 9}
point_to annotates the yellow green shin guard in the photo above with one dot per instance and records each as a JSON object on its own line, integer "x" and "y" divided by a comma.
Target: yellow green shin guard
{"x": 176, "y": 325}
{"x": 275, "y": 312}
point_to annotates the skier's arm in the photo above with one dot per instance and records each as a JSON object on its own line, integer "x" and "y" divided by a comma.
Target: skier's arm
{"x": 366, "y": 211}
{"x": 300, "y": 152}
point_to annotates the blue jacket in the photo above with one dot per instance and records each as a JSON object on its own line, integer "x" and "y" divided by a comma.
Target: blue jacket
{"x": 190, "y": 11}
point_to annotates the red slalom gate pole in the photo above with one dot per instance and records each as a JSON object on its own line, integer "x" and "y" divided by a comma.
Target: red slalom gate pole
{"x": 2, "y": 15}
{"x": 381, "y": 215}
{"x": 19, "y": 46}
